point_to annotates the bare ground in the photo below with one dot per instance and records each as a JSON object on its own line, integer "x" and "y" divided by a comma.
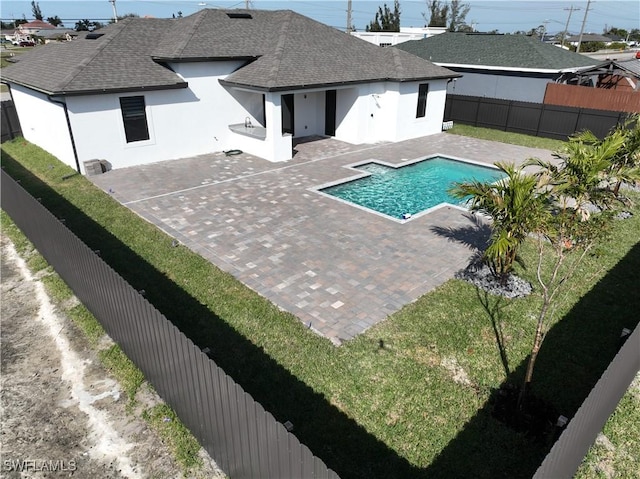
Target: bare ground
{"x": 62, "y": 415}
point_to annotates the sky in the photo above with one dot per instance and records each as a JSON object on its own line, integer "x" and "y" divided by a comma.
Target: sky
{"x": 503, "y": 15}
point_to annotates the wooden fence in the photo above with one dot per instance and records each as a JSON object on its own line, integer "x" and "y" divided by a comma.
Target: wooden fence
{"x": 594, "y": 98}
{"x": 244, "y": 439}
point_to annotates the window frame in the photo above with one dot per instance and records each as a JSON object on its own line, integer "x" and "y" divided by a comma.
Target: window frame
{"x": 423, "y": 94}
{"x": 134, "y": 118}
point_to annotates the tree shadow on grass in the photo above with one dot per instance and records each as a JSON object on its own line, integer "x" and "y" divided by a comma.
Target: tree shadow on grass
{"x": 575, "y": 353}
{"x": 338, "y": 440}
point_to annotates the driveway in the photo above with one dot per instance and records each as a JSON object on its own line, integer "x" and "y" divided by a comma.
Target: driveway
{"x": 338, "y": 268}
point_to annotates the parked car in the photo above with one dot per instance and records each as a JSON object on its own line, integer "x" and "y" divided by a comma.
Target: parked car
{"x": 27, "y": 43}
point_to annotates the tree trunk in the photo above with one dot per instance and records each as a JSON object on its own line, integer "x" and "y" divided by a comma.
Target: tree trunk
{"x": 537, "y": 342}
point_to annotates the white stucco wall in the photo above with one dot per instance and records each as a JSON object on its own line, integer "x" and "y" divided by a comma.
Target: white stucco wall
{"x": 182, "y": 122}
{"x": 386, "y": 111}
{"x": 195, "y": 120}
{"x": 504, "y": 86}
{"x": 43, "y": 123}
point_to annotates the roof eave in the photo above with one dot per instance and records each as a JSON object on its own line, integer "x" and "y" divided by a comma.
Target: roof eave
{"x": 202, "y": 59}
{"x": 99, "y": 91}
{"x": 332, "y": 84}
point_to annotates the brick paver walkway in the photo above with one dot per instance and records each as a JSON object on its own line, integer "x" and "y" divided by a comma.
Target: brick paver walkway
{"x": 338, "y": 268}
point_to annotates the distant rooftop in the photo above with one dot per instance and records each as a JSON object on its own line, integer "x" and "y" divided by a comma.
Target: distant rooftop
{"x": 513, "y": 52}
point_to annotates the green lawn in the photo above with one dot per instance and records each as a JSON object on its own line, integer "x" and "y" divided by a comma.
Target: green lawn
{"x": 410, "y": 398}
{"x": 506, "y": 137}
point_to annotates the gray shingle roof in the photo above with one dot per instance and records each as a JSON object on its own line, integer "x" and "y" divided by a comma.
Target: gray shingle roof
{"x": 119, "y": 60}
{"x": 284, "y": 50}
{"x": 507, "y": 51}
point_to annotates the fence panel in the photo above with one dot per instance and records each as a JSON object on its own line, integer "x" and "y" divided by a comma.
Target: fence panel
{"x": 493, "y": 113}
{"x": 524, "y": 118}
{"x": 599, "y": 122}
{"x": 9, "y": 121}
{"x": 558, "y": 122}
{"x": 243, "y": 439}
{"x": 574, "y": 443}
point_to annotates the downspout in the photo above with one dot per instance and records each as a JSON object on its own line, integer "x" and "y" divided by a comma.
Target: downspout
{"x": 73, "y": 142}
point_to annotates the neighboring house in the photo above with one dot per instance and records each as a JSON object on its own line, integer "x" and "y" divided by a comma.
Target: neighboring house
{"x": 33, "y": 27}
{"x": 26, "y": 31}
{"x": 57, "y": 35}
{"x": 144, "y": 90}
{"x": 593, "y": 37}
{"x": 388, "y": 39}
{"x": 510, "y": 67}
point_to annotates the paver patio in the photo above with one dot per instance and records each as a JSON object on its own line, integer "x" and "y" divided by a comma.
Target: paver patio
{"x": 338, "y": 268}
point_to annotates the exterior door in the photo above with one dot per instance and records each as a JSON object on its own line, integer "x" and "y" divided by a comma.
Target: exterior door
{"x": 330, "y": 113}
{"x": 287, "y": 114}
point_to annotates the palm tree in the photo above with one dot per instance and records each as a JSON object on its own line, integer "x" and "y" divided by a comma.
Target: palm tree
{"x": 581, "y": 181}
{"x": 515, "y": 205}
{"x": 626, "y": 164}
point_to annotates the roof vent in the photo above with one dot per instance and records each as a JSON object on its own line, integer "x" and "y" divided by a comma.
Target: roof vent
{"x": 93, "y": 36}
{"x": 239, "y": 15}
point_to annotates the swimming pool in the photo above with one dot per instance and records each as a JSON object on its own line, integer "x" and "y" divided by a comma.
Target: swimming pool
{"x": 407, "y": 190}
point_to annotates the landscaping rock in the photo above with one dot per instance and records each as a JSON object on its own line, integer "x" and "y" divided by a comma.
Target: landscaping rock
{"x": 481, "y": 276}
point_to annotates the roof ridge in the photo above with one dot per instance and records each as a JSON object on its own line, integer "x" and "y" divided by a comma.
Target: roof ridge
{"x": 279, "y": 49}
{"x": 199, "y": 18}
{"x": 397, "y": 61}
{"x": 85, "y": 61}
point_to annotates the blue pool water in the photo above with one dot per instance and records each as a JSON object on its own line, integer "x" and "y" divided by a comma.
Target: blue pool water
{"x": 410, "y": 189}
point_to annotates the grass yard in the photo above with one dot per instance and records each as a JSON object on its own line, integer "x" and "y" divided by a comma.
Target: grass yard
{"x": 410, "y": 398}
{"x": 506, "y": 137}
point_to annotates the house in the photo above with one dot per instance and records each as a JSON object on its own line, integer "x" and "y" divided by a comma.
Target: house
{"x": 510, "y": 67}
{"x": 57, "y": 35}
{"x": 593, "y": 37}
{"x": 34, "y": 26}
{"x": 145, "y": 89}
{"x": 26, "y": 31}
{"x": 388, "y": 39}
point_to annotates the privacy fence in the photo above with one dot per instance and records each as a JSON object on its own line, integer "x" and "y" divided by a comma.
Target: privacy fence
{"x": 537, "y": 119}
{"x": 574, "y": 443}
{"x": 244, "y": 439}
{"x": 9, "y": 123}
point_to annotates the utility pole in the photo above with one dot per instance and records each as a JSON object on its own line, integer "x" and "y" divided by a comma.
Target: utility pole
{"x": 349, "y": 29}
{"x": 584, "y": 21}
{"x": 566, "y": 27}
{"x": 115, "y": 13}
{"x": 544, "y": 30}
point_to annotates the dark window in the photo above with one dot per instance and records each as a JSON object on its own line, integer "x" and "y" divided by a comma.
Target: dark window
{"x": 134, "y": 118}
{"x": 422, "y": 100}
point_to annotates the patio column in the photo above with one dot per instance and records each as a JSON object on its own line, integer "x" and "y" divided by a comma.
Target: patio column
{"x": 279, "y": 145}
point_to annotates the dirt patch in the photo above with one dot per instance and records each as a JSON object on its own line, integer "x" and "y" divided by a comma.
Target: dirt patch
{"x": 62, "y": 415}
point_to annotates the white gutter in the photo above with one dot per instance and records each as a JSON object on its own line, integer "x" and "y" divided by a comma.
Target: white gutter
{"x": 514, "y": 69}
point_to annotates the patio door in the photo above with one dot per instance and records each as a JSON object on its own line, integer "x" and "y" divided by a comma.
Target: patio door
{"x": 330, "y": 113}
{"x": 287, "y": 114}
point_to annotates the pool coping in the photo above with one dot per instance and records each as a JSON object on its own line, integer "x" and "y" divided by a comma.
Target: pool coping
{"x": 364, "y": 174}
